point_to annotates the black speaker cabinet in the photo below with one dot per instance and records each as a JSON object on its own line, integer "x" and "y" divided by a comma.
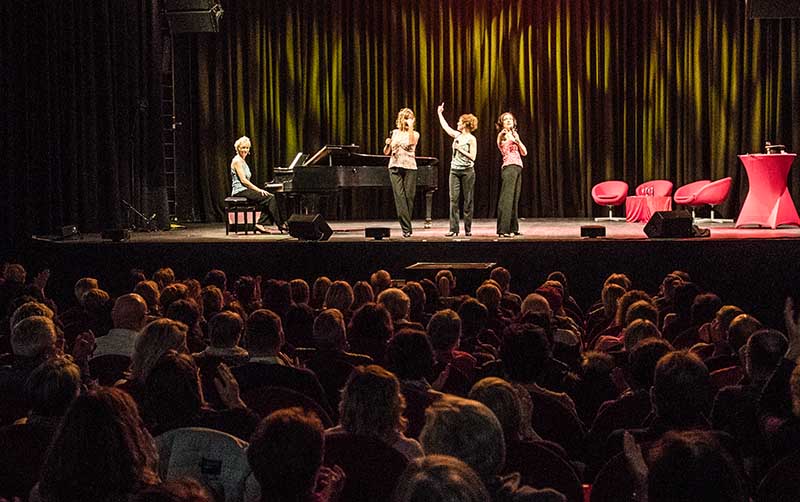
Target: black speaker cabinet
{"x": 377, "y": 233}
{"x": 664, "y": 224}
{"x": 309, "y": 227}
{"x": 592, "y": 231}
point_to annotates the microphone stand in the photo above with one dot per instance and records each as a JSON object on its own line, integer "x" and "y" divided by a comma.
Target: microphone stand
{"x": 149, "y": 223}
{"x": 141, "y": 108}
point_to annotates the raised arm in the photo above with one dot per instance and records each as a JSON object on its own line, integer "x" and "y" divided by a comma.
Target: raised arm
{"x": 449, "y": 130}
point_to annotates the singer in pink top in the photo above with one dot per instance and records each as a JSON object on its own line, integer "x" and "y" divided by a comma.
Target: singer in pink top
{"x": 512, "y": 149}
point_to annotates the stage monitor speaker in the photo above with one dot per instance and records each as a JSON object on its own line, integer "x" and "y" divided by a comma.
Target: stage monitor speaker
{"x": 593, "y": 231}
{"x": 309, "y": 227}
{"x": 377, "y": 233}
{"x": 667, "y": 224}
{"x": 773, "y": 9}
{"x": 193, "y": 16}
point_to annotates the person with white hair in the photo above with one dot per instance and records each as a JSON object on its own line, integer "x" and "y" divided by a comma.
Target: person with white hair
{"x": 241, "y": 186}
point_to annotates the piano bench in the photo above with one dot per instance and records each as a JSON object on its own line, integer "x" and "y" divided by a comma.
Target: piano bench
{"x": 236, "y": 206}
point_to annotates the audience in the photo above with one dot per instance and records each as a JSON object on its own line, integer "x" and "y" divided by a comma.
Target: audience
{"x": 439, "y": 478}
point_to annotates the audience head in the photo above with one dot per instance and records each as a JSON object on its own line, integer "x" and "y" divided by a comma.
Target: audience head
{"x": 193, "y": 289}
{"x": 172, "y": 292}
{"x": 705, "y": 308}
{"x": 474, "y": 317}
{"x": 685, "y": 294}
{"x": 301, "y": 293}
{"x": 173, "y": 390}
{"x": 500, "y": 396}
{"x": 185, "y": 311}
{"x": 561, "y": 278}
{"x": 362, "y": 294}
{"x": 380, "y": 281}
{"x": 318, "y": 291}
{"x": 264, "y": 333}
{"x": 102, "y": 425}
{"x": 369, "y": 331}
{"x": 372, "y": 404}
{"x": 610, "y": 298}
{"x": 149, "y": 291}
{"x": 723, "y": 318}
{"x": 52, "y": 387}
{"x": 765, "y": 351}
{"x": 641, "y": 310}
{"x": 535, "y": 303}
{"x": 225, "y": 330}
{"x": 244, "y": 290}
{"x": 129, "y": 312}
{"x": 489, "y": 295}
{"x": 639, "y": 330}
{"x": 439, "y": 478}
{"x": 33, "y": 337}
{"x": 164, "y": 277}
{"x": 156, "y": 338}
{"x": 416, "y": 297}
{"x": 410, "y": 355}
{"x": 298, "y": 326}
{"x": 15, "y": 272}
{"x": 30, "y": 309}
{"x": 82, "y": 286}
{"x": 277, "y": 296}
{"x": 445, "y": 283}
{"x": 396, "y": 302}
{"x": 628, "y": 299}
{"x": 431, "y": 295}
{"x": 212, "y": 301}
{"x": 618, "y": 279}
{"x": 669, "y": 284}
{"x": 444, "y": 330}
{"x": 467, "y": 430}
{"x": 642, "y": 360}
{"x": 286, "y": 452}
{"x": 501, "y": 276}
{"x": 329, "y": 330}
{"x": 339, "y": 296}
{"x": 524, "y": 351}
{"x": 740, "y": 330}
{"x": 681, "y": 389}
{"x": 216, "y": 278}
{"x": 692, "y": 465}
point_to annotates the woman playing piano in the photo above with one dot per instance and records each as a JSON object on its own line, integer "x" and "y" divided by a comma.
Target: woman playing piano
{"x": 462, "y": 168}
{"x": 512, "y": 149}
{"x": 401, "y": 145}
{"x": 241, "y": 186}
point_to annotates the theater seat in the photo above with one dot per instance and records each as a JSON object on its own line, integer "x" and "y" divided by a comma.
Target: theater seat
{"x": 610, "y": 194}
{"x": 704, "y": 192}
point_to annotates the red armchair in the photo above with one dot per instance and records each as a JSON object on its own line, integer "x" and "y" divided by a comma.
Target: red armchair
{"x": 610, "y": 194}
{"x": 705, "y": 192}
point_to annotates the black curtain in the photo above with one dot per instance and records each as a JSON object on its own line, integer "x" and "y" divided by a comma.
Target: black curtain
{"x": 81, "y": 128}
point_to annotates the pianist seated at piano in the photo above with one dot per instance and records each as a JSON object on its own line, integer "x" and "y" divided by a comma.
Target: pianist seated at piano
{"x": 241, "y": 186}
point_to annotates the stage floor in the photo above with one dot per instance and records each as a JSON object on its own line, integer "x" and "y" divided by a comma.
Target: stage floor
{"x": 752, "y": 268}
{"x": 482, "y": 231}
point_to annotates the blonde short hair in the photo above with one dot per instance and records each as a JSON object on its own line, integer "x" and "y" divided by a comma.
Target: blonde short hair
{"x": 402, "y": 115}
{"x": 153, "y": 341}
{"x": 244, "y": 140}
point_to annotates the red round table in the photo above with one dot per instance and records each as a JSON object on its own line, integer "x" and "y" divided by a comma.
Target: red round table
{"x": 639, "y": 208}
{"x": 768, "y": 202}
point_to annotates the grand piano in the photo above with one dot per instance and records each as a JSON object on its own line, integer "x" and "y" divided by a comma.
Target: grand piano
{"x": 337, "y": 167}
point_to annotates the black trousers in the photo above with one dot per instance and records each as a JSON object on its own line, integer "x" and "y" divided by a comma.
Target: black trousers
{"x": 267, "y": 204}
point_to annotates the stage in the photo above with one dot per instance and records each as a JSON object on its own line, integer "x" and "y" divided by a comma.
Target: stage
{"x": 753, "y": 268}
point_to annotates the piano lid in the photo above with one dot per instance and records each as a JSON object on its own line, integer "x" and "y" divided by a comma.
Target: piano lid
{"x": 347, "y": 155}
{"x": 327, "y": 151}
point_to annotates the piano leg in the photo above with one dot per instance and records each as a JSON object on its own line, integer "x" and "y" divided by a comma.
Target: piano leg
{"x": 428, "y": 207}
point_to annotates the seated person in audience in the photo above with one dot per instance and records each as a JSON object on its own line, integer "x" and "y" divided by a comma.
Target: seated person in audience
{"x": 170, "y": 293}
{"x": 445, "y": 283}
{"x": 188, "y": 312}
{"x": 164, "y": 277}
{"x": 369, "y": 331}
{"x": 218, "y": 278}
{"x": 340, "y": 297}
{"x": 621, "y": 280}
{"x": 704, "y": 308}
{"x": 786, "y": 439}
{"x": 735, "y": 408}
{"x": 298, "y": 325}
{"x": 362, "y": 294}
{"x": 102, "y": 425}
{"x": 246, "y": 291}
{"x": 489, "y": 295}
{"x": 553, "y": 291}
{"x": 97, "y": 307}
{"x": 416, "y": 296}
{"x": 431, "y": 296}
{"x": 565, "y": 338}
{"x": 211, "y": 301}
{"x": 603, "y": 316}
{"x": 716, "y": 332}
{"x": 506, "y": 402}
{"x": 76, "y": 313}
{"x": 740, "y": 330}
{"x": 685, "y": 466}
{"x": 616, "y": 328}
{"x": 476, "y": 339}
{"x": 152, "y": 296}
{"x": 380, "y": 281}
{"x": 13, "y": 285}
{"x": 276, "y": 295}
{"x": 51, "y": 388}
{"x": 681, "y": 319}
{"x": 409, "y": 356}
{"x": 399, "y": 305}
{"x": 176, "y": 490}
{"x": 128, "y": 317}
{"x": 665, "y": 299}
{"x": 630, "y": 409}
{"x": 469, "y": 431}
{"x": 373, "y": 406}
{"x": 444, "y": 331}
{"x": 33, "y": 341}
{"x": 286, "y": 453}
{"x": 571, "y": 307}
{"x": 639, "y": 310}
{"x": 681, "y": 400}
{"x": 268, "y": 366}
{"x": 510, "y": 301}
{"x": 596, "y": 384}
{"x": 155, "y": 339}
{"x": 23, "y": 307}
{"x": 174, "y": 398}
{"x": 301, "y": 293}
{"x": 318, "y": 291}
{"x": 439, "y": 478}
{"x": 224, "y": 332}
